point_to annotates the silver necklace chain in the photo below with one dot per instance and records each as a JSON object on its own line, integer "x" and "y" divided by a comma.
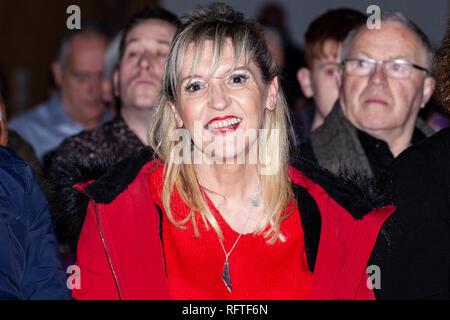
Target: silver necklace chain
{"x": 255, "y": 203}
{"x": 226, "y": 277}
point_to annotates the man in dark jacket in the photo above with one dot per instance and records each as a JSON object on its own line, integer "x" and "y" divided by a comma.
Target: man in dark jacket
{"x": 415, "y": 257}
{"x": 29, "y": 262}
{"x": 412, "y": 250}
{"x": 417, "y": 266}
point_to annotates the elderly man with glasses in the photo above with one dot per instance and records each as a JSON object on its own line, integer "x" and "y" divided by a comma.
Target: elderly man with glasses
{"x": 384, "y": 82}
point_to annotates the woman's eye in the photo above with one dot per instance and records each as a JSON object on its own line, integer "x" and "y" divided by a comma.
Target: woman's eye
{"x": 193, "y": 87}
{"x": 238, "y": 78}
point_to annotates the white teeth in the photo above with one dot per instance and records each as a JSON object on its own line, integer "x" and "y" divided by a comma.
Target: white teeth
{"x": 223, "y": 123}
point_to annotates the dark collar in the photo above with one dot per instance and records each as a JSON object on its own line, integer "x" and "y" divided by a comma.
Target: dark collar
{"x": 380, "y": 145}
{"x": 117, "y": 179}
{"x": 356, "y": 193}
{"x": 377, "y": 151}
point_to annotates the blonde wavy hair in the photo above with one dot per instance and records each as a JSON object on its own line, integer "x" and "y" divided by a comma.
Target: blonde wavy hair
{"x": 220, "y": 22}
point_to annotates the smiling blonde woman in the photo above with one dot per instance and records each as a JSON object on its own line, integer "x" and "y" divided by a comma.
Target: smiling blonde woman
{"x": 220, "y": 228}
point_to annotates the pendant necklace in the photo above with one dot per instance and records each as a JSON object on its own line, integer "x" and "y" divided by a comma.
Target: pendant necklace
{"x": 226, "y": 276}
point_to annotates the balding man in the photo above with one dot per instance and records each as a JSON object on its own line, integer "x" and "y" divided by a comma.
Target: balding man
{"x": 78, "y": 103}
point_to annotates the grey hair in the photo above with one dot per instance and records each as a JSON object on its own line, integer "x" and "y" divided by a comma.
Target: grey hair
{"x": 88, "y": 27}
{"x": 404, "y": 21}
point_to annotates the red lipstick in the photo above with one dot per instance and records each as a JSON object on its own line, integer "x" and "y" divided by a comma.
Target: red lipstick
{"x": 223, "y": 125}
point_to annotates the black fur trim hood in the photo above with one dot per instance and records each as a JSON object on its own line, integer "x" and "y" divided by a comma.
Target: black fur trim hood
{"x": 357, "y": 194}
{"x": 68, "y": 205}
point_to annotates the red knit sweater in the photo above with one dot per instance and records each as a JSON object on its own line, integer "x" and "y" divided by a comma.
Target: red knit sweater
{"x": 258, "y": 270}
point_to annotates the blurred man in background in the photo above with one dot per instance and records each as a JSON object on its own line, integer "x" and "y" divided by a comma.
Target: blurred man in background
{"x": 137, "y": 83}
{"x": 77, "y": 105}
{"x": 318, "y": 80}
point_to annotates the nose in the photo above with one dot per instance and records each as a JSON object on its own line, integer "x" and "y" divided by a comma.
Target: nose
{"x": 218, "y": 97}
{"x": 94, "y": 86}
{"x": 146, "y": 60}
{"x": 378, "y": 76}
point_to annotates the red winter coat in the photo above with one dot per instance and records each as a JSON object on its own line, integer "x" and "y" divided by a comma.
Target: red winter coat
{"x": 120, "y": 253}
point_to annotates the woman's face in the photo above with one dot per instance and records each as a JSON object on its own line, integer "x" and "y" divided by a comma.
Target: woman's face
{"x": 222, "y": 111}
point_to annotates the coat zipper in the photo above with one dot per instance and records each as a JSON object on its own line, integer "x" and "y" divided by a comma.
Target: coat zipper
{"x": 103, "y": 240}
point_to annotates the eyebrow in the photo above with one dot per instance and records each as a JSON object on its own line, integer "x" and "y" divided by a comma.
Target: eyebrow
{"x": 226, "y": 74}
{"x": 133, "y": 40}
{"x": 329, "y": 63}
{"x": 84, "y": 72}
{"x": 400, "y": 57}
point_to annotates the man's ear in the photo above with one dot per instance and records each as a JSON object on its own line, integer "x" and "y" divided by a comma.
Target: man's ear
{"x": 178, "y": 119}
{"x": 116, "y": 88}
{"x": 57, "y": 72}
{"x": 428, "y": 89}
{"x": 304, "y": 80}
{"x": 272, "y": 94}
